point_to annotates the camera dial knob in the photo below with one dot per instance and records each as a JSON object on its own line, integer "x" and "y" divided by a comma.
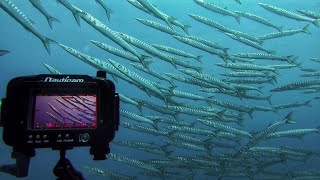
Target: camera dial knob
{"x": 84, "y": 137}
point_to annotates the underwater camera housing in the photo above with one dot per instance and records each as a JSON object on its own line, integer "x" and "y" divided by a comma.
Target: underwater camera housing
{"x": 60, "y": 112}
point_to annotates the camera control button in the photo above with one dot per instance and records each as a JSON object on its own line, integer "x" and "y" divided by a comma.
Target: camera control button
{"x": 38, "y": 136}
{"x": 84, "y": 137}
{"x": 59, "y": 136}
{"x": 30, "y": 136}
{"x": 67, "y": 136}
{"x": 45, "y": 136}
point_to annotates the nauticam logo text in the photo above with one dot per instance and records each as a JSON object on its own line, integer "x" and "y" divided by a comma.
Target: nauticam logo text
{"x": 63, "y": 80}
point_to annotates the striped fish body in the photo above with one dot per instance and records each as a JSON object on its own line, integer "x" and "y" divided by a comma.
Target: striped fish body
{"x": 297, "y": 85}
{"x": 293, "y": 133}
{"x": 143, "y": 129}
{"x": 176, "y": 52}
{"x": 51, "y": 69}
{"x": 288, "y": 14}
{"x": 284, "y": 33}
{"x": 23, "y": 20}
{"x": 158, "y": 26}
{"x": 37, "y": 4}
{"x": 309, "y": 13}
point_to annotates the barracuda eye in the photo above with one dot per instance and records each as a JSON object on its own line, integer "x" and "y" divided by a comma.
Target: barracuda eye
{"x": 119, "y": 66}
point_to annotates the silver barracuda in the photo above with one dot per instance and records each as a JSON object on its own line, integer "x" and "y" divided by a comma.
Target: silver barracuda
{"x": 185, "y": 145}
{"x": 240, "y": 108}
{"x": 285, "y": 66}
{"x": 298, "y": 133}
{"x": 209, "y": 43}
{"x": 196, "y": 112}
{"x": 190, "y": 80}
{"x": 148, "y": 48}
{"x": 288, "y": 14}
{"x": 309, "y": 13}
{"x": 244, "y": 66}
{"x": 136, "y": 4}
{"x": 249, "y": 43}
{"x": 248, "y": 74}
{"x": 285, "y": 33}
{"x": 148, "y": 85}
{"x": 3, "y": 52}
{"x": 108, "y": 173}
{"x": 224, "y": 127}
{"x": 145, "y": 146}
{"x": 106, "y": 31}
{"x": 95, "y": 62}
{"x": 290, "y": 59}
{"x": 71, "y": 8}
{"x": 167, "y": 120}
{"x": 186, "y": 64}
{"x": 182, "y": 94}
{"x": 258, "y": 19}
{"x": 151, "y": 8}
{"x": 106, "y": 9}
{"x": 217, "y": 9}
{"x": 192, "y": 130}
{"x": 177, "y": 52}
{"x": 251, "y": 81}
{"x": 137, "y": 117}
{"x": 23, "y": 20}
{"x": 37, "y": 4}
{"x": 293, "y": 105}
{"x": 132, "y": 162}
{"x": 126, "y": 99}
{"x": 152, "y": 72}
{"x": 143, "y": 129}
{"x": 201, "y": 46}
{"x": 158, "y": 26}
{"x": 116, "y": 51}
{"x": 263, "y": 134}
{"x": 297, "y": 85}
{"x": 311, "y": 74}
{"x": 51, "y": 69}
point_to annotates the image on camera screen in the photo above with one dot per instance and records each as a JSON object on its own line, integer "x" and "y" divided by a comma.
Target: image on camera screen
{"x": 65, "y": 112}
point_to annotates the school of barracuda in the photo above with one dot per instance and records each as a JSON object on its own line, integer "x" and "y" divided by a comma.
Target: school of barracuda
{"x": 221, "y": 146}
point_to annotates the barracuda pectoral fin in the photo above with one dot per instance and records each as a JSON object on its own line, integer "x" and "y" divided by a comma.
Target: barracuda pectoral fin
{"x": 269, "y": 99}
{"x": 143, "y": 61}
{"x": 307, "y": 103}
{"x": 279, "y": 28}
{"x": 250, "y": 112}
{"x": 199, "y": 58}
{"x": 288, "y": 119}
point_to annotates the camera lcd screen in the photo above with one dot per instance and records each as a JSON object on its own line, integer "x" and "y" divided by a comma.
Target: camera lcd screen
{"x": 64, "y": 112}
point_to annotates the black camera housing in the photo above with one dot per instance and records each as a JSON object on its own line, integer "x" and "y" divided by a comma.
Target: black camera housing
{"x": 50, "y": 111}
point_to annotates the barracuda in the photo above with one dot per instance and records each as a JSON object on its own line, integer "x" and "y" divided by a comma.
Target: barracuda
{"x": 158, "y": 26}
{"x": 201, "y": 46}
{"x": 258, "y": 19}
{"x": 133, "y": 162}
{"x": 116, "y": 51}
{"x": 263, "y": 134}
{"x": 196, "y": 112}
{"x": 148, "y": 48}
{"x": 106, "y": 9}
{"x": 290, "y": 59}
{"x": 190, "y": 80}
{"x": 153, "y": 10}
{"x": 187, "y": 95}
{"x": 138, "y": 118}
{"x": 212, "y": 7}
{"x": 189, "y": 146}
{"x": 241, "y": 108}
{"x": 177, "y": 52}
{"x": 289, "y": 14}
{"x": 297, "y": 85}
{"x": 209, "y": 43}
{"x": 143, "y": 129}
{"x": 148, "y": 85}
{"x": 167, "y": 120}
{"x": 51, "y": 69}
{"x": 192, "y": 130}
{"x": 298, "y": 133}
{"x": 144, "y": 146}
{"x": 309, "y": 13}
{"x": 186, "y": 64}
{"x": 152, "y": 72}
{"x": 311, "y": 74}
{"x": 97, "y": 63}
{"x": 244, "y": 66}
{"x": 285, "y": 33}
{"x": 23, "y": 20}
{"x": 249, "y": 43}
{"x": 251, "y": 81}
{"x": 292, "y": 105}
{"x": 37, "y": 4}
{"x": 224, "y": 127}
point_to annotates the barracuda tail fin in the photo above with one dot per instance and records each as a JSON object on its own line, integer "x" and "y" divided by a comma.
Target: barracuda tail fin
{"x": 50, "y": 19}
{"x": 108, "y": 12}
{"x": 185, "y": 28}
{"x": 292, "y": 59}
{"x": 305, "y": 29}
{"x": 46, "y": 42}
{"x": 269, "y": 99}
{"x": 288, "y": 119}
{"x": 279, "y": 28}
{"x": 199, "y": 58}
{"x": 307, "y": 103}
{"x": 316, "y": 22}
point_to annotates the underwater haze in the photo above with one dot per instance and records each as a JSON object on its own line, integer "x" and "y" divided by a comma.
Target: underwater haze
{"x": 232, "y": 92}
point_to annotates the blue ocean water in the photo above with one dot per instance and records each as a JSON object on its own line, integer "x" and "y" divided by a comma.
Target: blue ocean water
{"x": 27, "y": 54}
